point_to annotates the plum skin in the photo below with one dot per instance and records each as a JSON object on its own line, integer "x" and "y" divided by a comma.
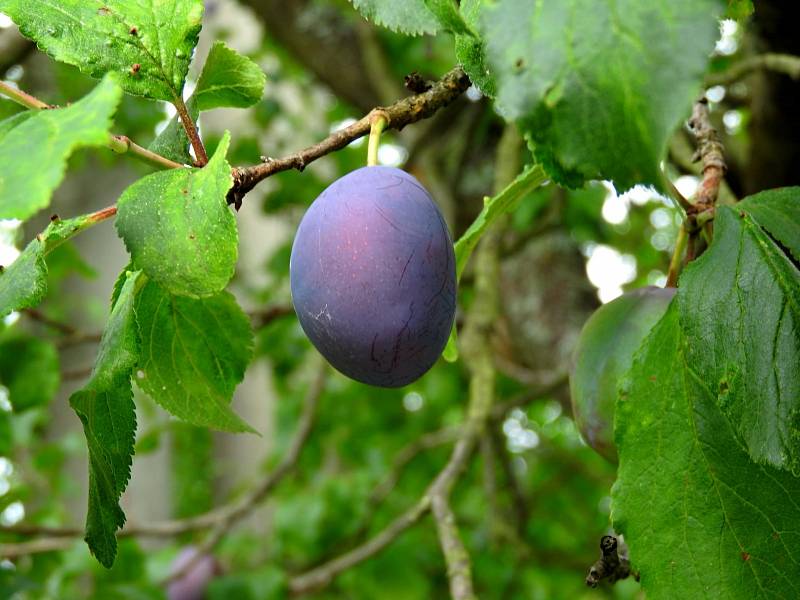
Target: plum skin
{"x": 603, "y": 354}
{"x": 373, "y": 277}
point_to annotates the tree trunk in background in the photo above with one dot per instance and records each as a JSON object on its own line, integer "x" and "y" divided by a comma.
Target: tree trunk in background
{"x": 775, "y": 121}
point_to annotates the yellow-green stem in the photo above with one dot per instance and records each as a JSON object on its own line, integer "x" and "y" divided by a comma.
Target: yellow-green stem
{"x": 21, "y": 97}
{"x": 675, "y": 262}
{"x": 376, "y": 128}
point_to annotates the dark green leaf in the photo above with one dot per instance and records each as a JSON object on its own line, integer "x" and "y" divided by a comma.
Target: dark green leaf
{"x": 778, "y": 212}
{"x": 598, "y": 87}
{"x": 411, "y": 17}
{"x": 194, "y": 354}
{"x": 29, "y": 368}
{"x": 178, "y": 227}
{"x": 106, "y": 410}
{"x": 228, "y": 79}
{"x": 33, "y": 154}
{"x": 694, "y": 509}
{"x": 446, "y": 12}
{"x": 149, "y": 44}
{"x": 6, "y": 433}
{"x": 740, "y": 312}
{"x": 470, "y": 49}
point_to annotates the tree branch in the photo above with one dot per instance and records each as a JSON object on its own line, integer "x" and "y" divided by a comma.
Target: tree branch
{"x": 710, "y": 152}
{"x": 191, "y": 131}
{"x": 117, "y": 143}
{"x": 779, "y": 63}
{"x": 401, "y": 113}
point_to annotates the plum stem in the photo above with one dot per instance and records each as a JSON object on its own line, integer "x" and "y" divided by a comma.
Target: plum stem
{"x": 378, "y": 123}
{"x": 675, "y": 261}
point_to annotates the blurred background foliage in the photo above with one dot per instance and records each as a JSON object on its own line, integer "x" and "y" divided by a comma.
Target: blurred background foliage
{"x": 534, "y": 502}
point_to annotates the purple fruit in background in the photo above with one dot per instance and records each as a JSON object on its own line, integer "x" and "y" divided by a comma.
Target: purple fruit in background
{"x": 192, "y": 584}
{"x": 373, "y": 277}
{"x": 603, "y": 355}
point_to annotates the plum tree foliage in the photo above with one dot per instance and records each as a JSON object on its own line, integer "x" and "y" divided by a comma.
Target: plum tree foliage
{"x": 695, "y": 392}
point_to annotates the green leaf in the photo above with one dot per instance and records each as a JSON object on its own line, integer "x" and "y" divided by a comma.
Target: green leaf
{"x": 172, "y": 142}
{"x": 194, "y": 354}
{"x": 740, "y": 312}
{"x": 411, "y": 17}
{"x": 24, "y": 283}
{"x": 693, "y": 507}
{"x": 114, "y": 36}
{"x": 471, "y": 51}
{"x": 527, "y": 181}
{"x": 446, "y": 12}
{"x": 33, "y": 155}
{"x": 106, "y": 410}
{"x": 178, "y": 227}
{"x": 778, "y": 212}
{"x": 599, "y": 86}
{"x": 739, "y": 9}
{"x": 228, "y": 79}
{"x": 29, "y": 368}
{"x": 6, "y": 433}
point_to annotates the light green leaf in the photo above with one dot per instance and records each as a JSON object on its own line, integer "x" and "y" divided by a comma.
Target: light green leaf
{"x": 446, "y": 12}
{"x": 178, "y": 227}
{"x": 693, "y": 507}
{"x": 740, "y": 312}
{"x": 115, "y": 36}
{"x": 172, "y": 142}
{"x": 24, "y": 283}
{"x": 599, "y": 86}
{"x": 33, "y": 155}
{"x": 471, "y": 52}
{"x": 411, "y": 17}
{"x": 106, "y": 410}
{"x": 6, "y": 125}
{"x": 527, "y": 181}
{"x": 29, "y": 368}
{"x": 739, "y": 9}
{"x": 194, "y": 354}
{"x": 228, "y": 79}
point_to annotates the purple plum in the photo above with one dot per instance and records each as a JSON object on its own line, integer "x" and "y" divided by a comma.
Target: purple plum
{"x": 373, "y": 277}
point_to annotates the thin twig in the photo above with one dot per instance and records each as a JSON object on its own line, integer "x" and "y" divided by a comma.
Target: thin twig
{"x": 401, "y": 113}
{"x": 122, "y": 144}
{"x": 191, "y": 131}
{"x": 778, "y": 63}
{"x": 42, "y": 318}
{"x": 262, "y": 318}
{"x": 711, "y": 153}
{"x": 21, "y": 97}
